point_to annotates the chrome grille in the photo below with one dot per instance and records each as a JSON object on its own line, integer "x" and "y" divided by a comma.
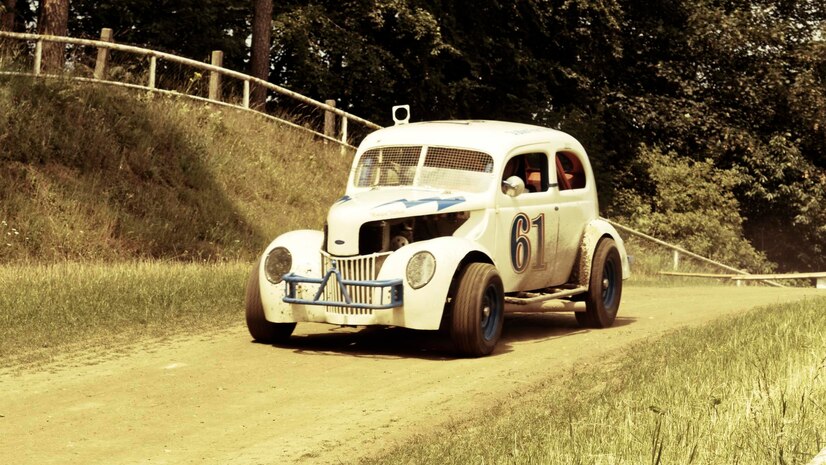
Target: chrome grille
{"x": 362, "y": 268}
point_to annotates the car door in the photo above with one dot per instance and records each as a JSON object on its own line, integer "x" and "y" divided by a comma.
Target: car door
{"x": 527, "y": 224}
{"x": 575, "y": 198}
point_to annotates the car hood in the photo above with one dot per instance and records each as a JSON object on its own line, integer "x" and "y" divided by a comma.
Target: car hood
{"x": 353, "y": 210}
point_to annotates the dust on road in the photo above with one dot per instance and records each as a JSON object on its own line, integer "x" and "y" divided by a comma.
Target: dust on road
{"x": 333, "y": 395}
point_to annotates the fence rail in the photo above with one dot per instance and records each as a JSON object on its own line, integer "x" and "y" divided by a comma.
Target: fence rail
{"x": 215, "y": 69}
{"x": 679, "y": 250}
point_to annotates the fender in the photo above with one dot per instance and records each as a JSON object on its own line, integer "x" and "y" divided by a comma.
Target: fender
{"x": 423, "y": 308}
{"x": 304, "y": 246}
{"x": 595, "y": 230}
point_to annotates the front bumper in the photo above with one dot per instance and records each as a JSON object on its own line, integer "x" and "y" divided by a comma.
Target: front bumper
{"x": 390, "y": 292}
{"x": 336, "y": 290}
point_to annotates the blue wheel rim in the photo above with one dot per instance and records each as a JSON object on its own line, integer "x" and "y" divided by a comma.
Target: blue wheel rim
{"x": 490, "y": 311}
{"x": 609, "y": 284}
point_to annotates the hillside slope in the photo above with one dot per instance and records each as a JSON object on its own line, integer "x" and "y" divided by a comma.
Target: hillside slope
{"x": 100, "y": 174}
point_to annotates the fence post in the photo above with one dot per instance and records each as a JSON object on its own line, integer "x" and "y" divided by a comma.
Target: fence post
{"x": 343, "y": 134}
{"x": 38, "y": 57}
{"x": 153, "y": 68}
{"x": 330, "y": 120}
{"x": 246, "y": 93}
{"x": 103, "y": 54}
{"x": 676, "y": 260}
{"x": 215, "y": 77}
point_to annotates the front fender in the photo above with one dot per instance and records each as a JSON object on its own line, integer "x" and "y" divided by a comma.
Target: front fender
{"x": 594, "y": 232}
{"x": 423, "y": 308}
{"x": 304, "y": 246}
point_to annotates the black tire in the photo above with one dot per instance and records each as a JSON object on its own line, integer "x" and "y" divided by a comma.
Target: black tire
{"x": 604, "y": 287}
{"x": 260, "y": 329}
{"x": 478, "y": 310}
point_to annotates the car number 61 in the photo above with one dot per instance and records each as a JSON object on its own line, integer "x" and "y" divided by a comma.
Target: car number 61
{"x": 521, "y": 242}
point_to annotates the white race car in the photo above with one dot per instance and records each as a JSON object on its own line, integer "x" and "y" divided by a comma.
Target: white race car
{"x": 447, "y": 222}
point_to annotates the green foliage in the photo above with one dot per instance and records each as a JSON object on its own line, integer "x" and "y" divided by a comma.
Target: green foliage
{"x": 192, "y": 28}
{"x": 441, "y": 56}
{"x": 690, "y": 203}
{"x": 93, "y": 173}
{"x": 725, "y": 81}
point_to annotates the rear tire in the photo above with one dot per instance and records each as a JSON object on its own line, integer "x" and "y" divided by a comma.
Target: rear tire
{"x": 260, "y": 329}
{"x": 478, "y": 310}
{"x": 604, "y": 287}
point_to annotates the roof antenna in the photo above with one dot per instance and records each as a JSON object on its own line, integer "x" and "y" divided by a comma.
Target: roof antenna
{"x": 401, "y": 114}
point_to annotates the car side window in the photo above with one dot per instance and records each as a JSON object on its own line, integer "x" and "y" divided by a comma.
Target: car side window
{"x": 532, "y": 169}
{"x": 569, "y": 171}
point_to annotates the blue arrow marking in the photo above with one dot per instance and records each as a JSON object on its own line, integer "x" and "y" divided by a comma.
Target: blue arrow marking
{"x": 441, "y": 204}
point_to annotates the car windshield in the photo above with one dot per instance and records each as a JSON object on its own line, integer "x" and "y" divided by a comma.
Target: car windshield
{"x": 442, "y": 168}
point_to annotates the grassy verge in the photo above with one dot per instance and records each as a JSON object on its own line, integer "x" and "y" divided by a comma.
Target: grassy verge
{"x": 96, "y": 174}
{"x": 750, "y": 389}
{"x": 48, "y": 309}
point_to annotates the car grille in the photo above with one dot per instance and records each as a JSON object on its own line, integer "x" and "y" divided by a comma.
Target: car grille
{"x": 361, "y": 268}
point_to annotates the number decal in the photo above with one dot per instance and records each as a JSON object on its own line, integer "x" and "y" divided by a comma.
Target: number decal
{"x": 521, "y": 242}
{"x": 539, "y": 222}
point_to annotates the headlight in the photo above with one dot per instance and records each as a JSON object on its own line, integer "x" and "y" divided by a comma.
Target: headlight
{"x": 277, "y": 264}
{"x": 420, "y": 269}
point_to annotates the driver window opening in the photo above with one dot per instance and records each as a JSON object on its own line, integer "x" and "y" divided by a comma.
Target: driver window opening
{"x": 531, "y": 168}
{"x": 569, "y": 171}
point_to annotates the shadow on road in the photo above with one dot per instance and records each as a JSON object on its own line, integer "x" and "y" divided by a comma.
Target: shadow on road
{"x": 392, "y": 342}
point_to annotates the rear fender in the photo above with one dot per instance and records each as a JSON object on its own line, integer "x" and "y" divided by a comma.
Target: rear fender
{"x": 595, "y": 231}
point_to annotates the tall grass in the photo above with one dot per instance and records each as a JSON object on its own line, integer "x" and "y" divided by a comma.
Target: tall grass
{"x": 100, "y": 174}
{"x": 747, "y": 390}
{"x": 49, "y": 309}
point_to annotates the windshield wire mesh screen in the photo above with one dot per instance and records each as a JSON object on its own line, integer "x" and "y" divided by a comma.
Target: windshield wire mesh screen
{"x": 388, "y": 166}
{"x": 456, "y": 169}
{"x": 443, "y": 168}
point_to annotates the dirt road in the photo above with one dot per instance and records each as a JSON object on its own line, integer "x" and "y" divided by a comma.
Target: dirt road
{"x": 333, "y": 395}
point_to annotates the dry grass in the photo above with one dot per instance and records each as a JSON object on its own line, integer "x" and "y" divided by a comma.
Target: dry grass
{"x": 49, "y": 308}
{"x": 98, "y": 174}
{"x": 747, "y": 390}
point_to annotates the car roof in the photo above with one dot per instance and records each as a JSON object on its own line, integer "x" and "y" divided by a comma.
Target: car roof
{"x": 496, "y": 138}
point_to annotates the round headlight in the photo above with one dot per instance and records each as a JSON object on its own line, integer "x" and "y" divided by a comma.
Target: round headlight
{"x": 277, "y": 264}
{"x": 420, "y": 269}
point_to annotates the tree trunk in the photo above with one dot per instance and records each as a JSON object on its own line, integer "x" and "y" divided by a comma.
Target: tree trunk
{"x": 54, "y": 21}
{"x": 260, "y": 53}
{"x": 7, "y": 18}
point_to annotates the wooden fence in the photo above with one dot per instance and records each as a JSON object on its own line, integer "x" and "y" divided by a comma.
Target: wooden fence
{"x": 678, "y": 251}
{"x": 216, "y": 73}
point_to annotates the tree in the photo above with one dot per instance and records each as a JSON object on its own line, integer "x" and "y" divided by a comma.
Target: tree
{"x": 7, "y": 13}
{"x": 190, "y": 28}
{"x": 260, "y": 52}
{"x": 740, "y": 83}
{"x": 54, "y": 20}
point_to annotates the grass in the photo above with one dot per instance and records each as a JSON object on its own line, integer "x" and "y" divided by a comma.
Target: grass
{"x": 96, "y": 174}
{"x": 51, "y": 309}
{"x": 744, "y": 390}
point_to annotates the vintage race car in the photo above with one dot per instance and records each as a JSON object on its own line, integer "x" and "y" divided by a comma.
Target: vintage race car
{"x": 448, "y": 223}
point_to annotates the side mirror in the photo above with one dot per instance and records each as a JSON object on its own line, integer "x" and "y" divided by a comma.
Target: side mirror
{"x": 514, "y": 186}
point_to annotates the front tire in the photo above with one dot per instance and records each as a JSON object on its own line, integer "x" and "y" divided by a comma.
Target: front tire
{"x": 478, "y": 310}
{"x": 604, "y": 287}
{"x": 260, "y": 329}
